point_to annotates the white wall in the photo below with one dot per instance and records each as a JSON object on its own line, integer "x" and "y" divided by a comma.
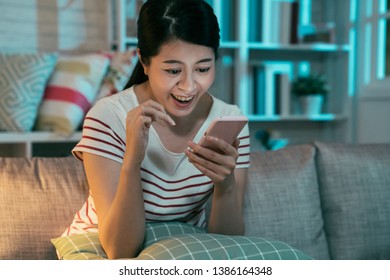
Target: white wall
{"x": 48, "y": 25}
{"x": 374, "y": 117}
{"x": 373, "y": 95}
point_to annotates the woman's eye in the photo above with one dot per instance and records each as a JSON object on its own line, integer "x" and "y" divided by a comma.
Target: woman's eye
{"x": 173, "y": 71}
{"x": 204, "y": 70}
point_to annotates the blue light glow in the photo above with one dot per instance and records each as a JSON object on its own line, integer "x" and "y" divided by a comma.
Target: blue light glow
{"x": 367, "y": 54}
{"x": 382, "y": 6}
{"x": 352, "y": 64}
{"x": 368, "y": 8}
{"x": 305, "y": 11}
{"x": 381, "y": 49}
{"x": 352, "y": 14}
{"x": 303, "y": 68}
{"x": 266, "y": 20}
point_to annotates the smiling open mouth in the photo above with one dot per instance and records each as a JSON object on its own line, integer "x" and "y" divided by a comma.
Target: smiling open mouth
{"x": 182, "y": 99}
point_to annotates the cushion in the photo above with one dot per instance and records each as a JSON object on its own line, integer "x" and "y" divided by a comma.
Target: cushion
{"x": 87, "y": 245}
{"x": 71, "y": 91}
{"x": 355, "y": 190}
{"x": 23, "y": 78}
{"x": 175, "y": 240}
{"x": 220, "y": 247}
{"x": 120, "y": 68}
{"x": 38, "y": 199}
{"x": 282, "y": 200}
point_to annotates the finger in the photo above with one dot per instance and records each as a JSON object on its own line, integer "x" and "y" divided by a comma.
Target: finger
{"x": 222, "y": 165}
{"x": 157, "y": 115}
{"x": 147, "y": 121}
{"x": 215, "y": 177}
{"x": 154, "y": 104}
{"x": 211, "y": 154}
{"x": 219, "y": 146}
{"x": 236, "y": 143}
{"x": 156, "y": 112}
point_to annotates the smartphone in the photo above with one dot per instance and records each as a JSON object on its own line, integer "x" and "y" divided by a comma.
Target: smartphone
{"x": 224, "y": 127}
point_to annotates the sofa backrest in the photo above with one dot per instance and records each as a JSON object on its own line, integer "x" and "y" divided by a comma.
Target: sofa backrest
{"x": 29, "y": 219}
{"x": 329, "y": 200}
{"x": 282, "y": 200}
{"x": 355, "y": 196}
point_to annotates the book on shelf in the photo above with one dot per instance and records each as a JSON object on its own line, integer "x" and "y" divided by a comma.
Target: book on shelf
{"x": 282, "y": 94}
{"x": 278, "y": 23}
{"x": 272, "y": 89}
{"x": 132, "y": 9}
{"x": 259, "y": 90}
{"x": 317, "y": 33}
{"x": 226, "y": 14}
{"x": 294, "y": 36}
{"x": 255, "y": 20}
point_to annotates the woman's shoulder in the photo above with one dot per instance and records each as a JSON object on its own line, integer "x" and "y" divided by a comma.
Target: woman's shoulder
{"x": 120, "y": 102}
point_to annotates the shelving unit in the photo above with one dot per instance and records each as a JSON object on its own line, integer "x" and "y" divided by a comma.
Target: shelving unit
{"x": 244, "y": 47}
{"x": 332, "y": 59}
{"x": 246, "y": 43}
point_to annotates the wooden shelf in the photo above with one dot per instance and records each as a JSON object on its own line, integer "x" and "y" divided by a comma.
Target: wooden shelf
{"x": 297, "y": 118}
{"x": 317, "y": 47}
{"x": 29, "y": 144}
{"x": 36, "y": 136}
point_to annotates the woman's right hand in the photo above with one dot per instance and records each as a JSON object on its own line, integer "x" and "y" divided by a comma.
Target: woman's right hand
{"x": 138, "y": 122}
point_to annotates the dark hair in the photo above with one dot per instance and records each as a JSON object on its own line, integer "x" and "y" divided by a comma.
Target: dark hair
{"x": 161, "y": 21}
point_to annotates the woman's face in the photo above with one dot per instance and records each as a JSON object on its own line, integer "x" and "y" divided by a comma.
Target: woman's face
{"x": 180, "y": 75}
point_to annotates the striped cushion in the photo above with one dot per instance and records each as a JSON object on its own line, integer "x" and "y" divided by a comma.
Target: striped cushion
{"x": 23, "y": 78}
{"x": 87, "y": 245}
{"x": 71, "y": 91}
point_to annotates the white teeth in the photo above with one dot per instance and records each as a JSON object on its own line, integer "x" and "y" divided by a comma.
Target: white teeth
{"x": 183, "y": 98}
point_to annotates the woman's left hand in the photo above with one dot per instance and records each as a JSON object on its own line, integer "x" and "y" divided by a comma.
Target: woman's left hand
{"x": 217, "y": 163}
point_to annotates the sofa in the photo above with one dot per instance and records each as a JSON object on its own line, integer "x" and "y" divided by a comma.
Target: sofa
{"x": 322, "y": 200}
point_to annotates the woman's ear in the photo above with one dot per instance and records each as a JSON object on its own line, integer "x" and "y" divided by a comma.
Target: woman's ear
{"x": 142, "y": 63}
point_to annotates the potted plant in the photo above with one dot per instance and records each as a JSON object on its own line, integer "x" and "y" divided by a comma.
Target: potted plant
{"x": 311, "y": 91}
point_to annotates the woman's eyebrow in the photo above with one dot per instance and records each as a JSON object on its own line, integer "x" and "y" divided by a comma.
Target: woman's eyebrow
{"x": 172, "y": 61}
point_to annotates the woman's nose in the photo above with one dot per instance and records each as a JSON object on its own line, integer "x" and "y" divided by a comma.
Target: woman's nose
{"x": 186, "y": 83}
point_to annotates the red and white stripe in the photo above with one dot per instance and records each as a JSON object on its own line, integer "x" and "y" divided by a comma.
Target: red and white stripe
{"x": 174, "y": 190}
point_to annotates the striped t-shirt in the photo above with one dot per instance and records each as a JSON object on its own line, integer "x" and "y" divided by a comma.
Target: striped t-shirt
{"x": 174, "y": 190}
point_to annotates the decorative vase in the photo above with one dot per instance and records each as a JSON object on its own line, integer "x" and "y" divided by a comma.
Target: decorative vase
{"x": 311, "y": 104}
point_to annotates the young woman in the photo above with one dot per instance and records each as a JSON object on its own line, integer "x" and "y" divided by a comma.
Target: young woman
{"x": 139, "y": 147}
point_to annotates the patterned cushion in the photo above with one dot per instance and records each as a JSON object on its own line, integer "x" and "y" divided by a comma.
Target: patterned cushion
{"x": 174, "y": 240}
{"x": 119, "y": 71}
{"x": 23, "y": 78}
{"x": 71, "y": 92}
{"x": 87, "y": 245}
{"x": 282, "y": 199}
{"x": 84, "y": 246}
{"x": 355, "y": 191}
{"x": 220, "y": 247}
{"x": 160, "y": 230}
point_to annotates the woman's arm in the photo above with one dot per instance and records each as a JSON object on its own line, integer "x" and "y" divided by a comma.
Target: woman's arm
{"x": 226, "y": 216}
{"x": 118, "y": 198}
{"x": 117, "y": 189}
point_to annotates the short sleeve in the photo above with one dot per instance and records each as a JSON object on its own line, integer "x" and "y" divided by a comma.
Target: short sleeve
{"x": 243, "y": 160}
{"x": 103, "y": 132}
